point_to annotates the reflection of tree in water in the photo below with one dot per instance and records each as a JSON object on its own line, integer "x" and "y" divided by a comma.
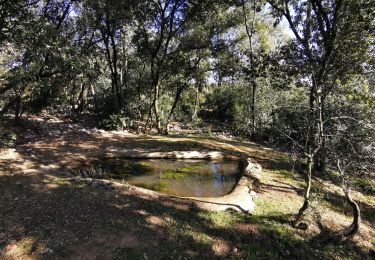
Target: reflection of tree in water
{"x": 218, "y": 177}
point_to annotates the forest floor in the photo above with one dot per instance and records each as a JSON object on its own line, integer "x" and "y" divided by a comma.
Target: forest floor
{"x": 45, "y": 213}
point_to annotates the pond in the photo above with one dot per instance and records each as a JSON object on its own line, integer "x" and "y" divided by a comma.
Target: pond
{"x": 185, "y": 178}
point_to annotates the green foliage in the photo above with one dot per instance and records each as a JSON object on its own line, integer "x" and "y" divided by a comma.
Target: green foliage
{"x": 365, "y": 184}
{"x": 114, "y": 122}
{"x": 8, "y": 139}
{"x": 160, "y": 186}
{"x": 224, "y": 103}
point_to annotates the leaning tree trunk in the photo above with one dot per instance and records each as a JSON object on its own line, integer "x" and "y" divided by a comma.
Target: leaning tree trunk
{"x": 306, "y": 203}
{"x": 353, "y": 228}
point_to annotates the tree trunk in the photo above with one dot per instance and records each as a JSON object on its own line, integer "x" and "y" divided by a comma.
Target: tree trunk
{"x": 354, "y": 227}
{"x": 250, "y": 32}
{"x": 140, "y": 114}
{"x": 156, "y": 105}
{"x": 17, "y": 109}
{"x": 177, "y": 98}
{"x": 112, "y": 64}
{"x": 196, "y": 104}
{"x": 124, "y": 75}
{"x": 253, "y": 128}
{"x": 115, "y": 76}
{"x": 306, "y": 203}
{"x": 81, "y": 99}
{"x": 18, "y": 105}
{"x": 93, "y": 93}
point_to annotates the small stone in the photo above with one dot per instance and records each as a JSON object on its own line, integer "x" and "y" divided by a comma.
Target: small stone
{"x": 89, "y": 181}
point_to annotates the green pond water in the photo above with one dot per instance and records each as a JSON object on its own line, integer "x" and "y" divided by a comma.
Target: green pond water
{"x": 191, "y": 178}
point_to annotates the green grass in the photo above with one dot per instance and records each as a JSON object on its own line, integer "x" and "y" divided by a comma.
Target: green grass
{"x": 160, "y": 186}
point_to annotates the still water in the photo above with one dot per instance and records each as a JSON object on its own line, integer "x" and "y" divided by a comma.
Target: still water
{"x": 192, "y": 178}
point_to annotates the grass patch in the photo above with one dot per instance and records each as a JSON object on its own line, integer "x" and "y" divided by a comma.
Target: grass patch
{"x": 160, "y": 186}
{"x": 258, "y": 250}
{"x": 222, "y": 219}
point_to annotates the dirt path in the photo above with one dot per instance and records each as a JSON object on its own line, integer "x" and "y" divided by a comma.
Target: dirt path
{"x": 51, "y": 142}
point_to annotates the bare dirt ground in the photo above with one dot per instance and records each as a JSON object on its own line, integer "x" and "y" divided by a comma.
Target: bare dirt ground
{"x": 45, "y": 213}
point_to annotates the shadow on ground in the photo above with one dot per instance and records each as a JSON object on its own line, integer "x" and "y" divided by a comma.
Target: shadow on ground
{"x": 52, "y": 216}
{"x": 48, "y": 141}
{"x": 48, "y": 216}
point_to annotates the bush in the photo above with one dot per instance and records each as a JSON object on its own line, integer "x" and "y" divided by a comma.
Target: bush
{"x": 225, "y": 104}
{"x": 114, "y": 122}
{"x": 8, "y": 139}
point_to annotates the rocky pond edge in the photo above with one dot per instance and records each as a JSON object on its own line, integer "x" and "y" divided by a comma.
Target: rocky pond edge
{"x": 240, "y": 199}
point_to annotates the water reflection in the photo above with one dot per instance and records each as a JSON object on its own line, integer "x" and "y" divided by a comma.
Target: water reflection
{"x": 196, "y": 178}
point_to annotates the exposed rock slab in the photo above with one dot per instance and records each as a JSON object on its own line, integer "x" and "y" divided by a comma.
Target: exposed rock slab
{"x": 212, "y": 155}
{"x": 240, "y": 199}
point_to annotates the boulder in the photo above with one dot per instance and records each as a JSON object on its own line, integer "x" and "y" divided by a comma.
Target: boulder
{"x": 253, "y": 169}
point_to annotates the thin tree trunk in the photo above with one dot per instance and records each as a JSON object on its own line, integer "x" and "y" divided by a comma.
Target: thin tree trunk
{"x": 196, "y": 104}
{"x": 81, "y": 99}
{"x": 306, "y": 202}
{"x": 140, "y": 114}
{"x": 177, "y": 98}
{"x": 156, "y": 106}
{"x": 353, "y": 228}
{"x": 124, "y": 74}
{"x": 253, "y": 109}
{"x": 250, "y": 33}
{"x": 149, "y": 114}
{"x": 17, "y": 109}
{"x": 73, "y": 97}
{"x": 93, "y": 93}
{"x": 115, "y": 71}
